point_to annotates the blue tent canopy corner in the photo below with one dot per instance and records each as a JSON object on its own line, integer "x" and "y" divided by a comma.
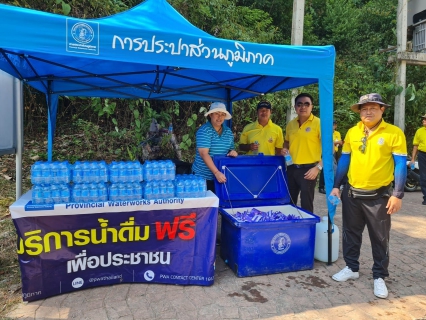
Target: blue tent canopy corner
{"x": 152, "y": 52}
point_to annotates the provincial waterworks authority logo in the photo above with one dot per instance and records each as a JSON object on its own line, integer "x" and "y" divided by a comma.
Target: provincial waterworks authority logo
{"x": 82, "y": 32}
{"x": 82, "y": 36}
{"x": 280, "y": 243}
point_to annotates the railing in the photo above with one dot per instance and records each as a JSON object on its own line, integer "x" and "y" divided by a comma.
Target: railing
{"x": 419, "y": 37}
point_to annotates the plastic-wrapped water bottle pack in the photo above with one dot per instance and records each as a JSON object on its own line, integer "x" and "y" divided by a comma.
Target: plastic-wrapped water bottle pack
{"x": 125, "y": 171}
{"x": 255, "y": 215}
{"x": 125, "y": 191}
{"x": 50, "y": 172}
{"x": 51, "y": 193}
{"x": 89, "y": 172}
{"x": 159, "y": 170}
{"x": 89, "y": 192}
{"x": 161, "y": 189}
{"x": 190, "y": 186}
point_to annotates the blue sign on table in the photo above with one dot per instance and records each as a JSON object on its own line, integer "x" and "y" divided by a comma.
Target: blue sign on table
{"x": 77, "y": 246}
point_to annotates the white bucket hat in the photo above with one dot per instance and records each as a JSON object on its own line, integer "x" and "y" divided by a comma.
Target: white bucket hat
{"x": 218, "y": 107}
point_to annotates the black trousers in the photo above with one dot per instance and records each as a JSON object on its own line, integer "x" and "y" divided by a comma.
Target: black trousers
{"x": 356, "y": 215}
{"x": 298, "y": 184}
{"x": 421, "y": 158}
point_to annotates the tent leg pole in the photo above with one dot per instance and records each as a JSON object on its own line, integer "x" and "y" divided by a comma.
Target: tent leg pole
{"x": 330, "y": 247}
{"x": 19, "y": 107}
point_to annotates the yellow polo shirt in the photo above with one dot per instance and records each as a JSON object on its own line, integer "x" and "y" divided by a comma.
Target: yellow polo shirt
{"x": 420, "y": 139}
{"x": 338, "y": 137}
{"x": 374, "y": 168}
{"x": 305, "y": 142}
{"x": 269, "y": 137}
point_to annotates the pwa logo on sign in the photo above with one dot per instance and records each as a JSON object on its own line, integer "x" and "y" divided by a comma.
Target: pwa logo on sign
{"x": 77, "y": 283}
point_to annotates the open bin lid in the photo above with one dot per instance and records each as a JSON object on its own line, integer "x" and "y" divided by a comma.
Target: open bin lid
{"x": 252, "y": 181}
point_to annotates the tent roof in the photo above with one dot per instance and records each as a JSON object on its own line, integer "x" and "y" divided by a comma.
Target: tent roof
{"x": 149, "y": 51}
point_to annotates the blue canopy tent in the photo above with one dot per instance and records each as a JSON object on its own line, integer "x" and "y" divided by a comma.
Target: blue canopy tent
{"x": 152, "y": 52}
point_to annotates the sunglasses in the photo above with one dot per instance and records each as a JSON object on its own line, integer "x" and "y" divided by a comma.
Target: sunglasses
{"x": 301, "y": 104}
{"x": 364, "y": 145}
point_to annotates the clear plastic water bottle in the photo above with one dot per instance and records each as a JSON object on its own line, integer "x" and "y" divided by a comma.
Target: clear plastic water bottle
{"x": 162, "y": 170}
{"x": 37, "y": 194}
{"x": 95, "y": 172}
{"x": 202, "y": 187}
{"x": 45, "y": 172}
{"x": 180, "y": 188}
{"x": 137, "y": 171}
{"x": 102, "y": 192}
{"x": 170, "y": 189}
{"x": 113, "y": 192}
{"x": 256, "y": 152}
{"x": 54, "y": 172}
{"x": 155, "y": 171}
{"x": 65, "y": 193}
{"x": 76, "y": 193}
{"x": 36, "y": 177}
{"x": 55, "y": 193}
{"x": 412, "y": 166}
{"x": 47, "y": 194}
{"x": 171, "y": 170}
{"x": 334, "y": 200}
{"x": 288, "y": 159}
{"x": 147, "y": 171}
{"x": 63, "y": 172}
{"x": 155, "y": 190}
{"x": 103, "y": 171}
{"x": 113, "y": 172}
{"x": 148, "y": 190}
{"x": 77, "y": 172}
{"x": 170, "y": 128}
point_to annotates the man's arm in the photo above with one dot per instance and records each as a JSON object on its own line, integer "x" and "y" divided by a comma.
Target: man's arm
{"x": 414, "y": 153}
{"x": 248, "y": 147}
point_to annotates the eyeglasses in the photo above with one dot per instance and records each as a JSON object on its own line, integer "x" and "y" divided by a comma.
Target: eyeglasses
{"x": 364, "y": 145}
{"x": 303, "y": 104}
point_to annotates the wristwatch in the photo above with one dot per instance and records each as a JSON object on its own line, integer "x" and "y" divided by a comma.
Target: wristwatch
{"x": 319, "y": 167}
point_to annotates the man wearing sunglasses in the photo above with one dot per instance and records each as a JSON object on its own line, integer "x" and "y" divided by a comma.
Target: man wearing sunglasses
{"x": 419, "y": 150}
{"x": 303, "y": 142}
{"x": 374, "y": 154}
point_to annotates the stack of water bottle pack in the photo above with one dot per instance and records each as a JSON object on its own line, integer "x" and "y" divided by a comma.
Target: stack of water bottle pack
{"x": 125, "y": 178}
{"x": 51, "y": 182}
{"x": 90, "y": 181}
{"x": 159, "y": 177}
{"x": 190, "y": 186}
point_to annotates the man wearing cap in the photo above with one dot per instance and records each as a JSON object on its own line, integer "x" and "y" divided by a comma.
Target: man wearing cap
{"x": 303, "y": 142}
{"x": 419, "y": 150}
{"x": 262, "y": 135}
{"x": 374, "y": 154}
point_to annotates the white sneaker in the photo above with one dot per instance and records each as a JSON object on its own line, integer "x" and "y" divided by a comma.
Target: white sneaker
{"x": 345, "y": 274}
{"x": 380, "y": 290}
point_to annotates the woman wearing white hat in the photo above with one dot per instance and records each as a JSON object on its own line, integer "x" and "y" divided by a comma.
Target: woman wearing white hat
{"x": 213, "y": 138}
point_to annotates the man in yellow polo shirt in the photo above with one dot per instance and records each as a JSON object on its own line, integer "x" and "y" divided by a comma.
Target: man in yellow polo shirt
{"x": 269, "y": 136}
{"x": 303, "y": 142}
{"x": 419, "y": 148}
{"x": 374, "y": 154}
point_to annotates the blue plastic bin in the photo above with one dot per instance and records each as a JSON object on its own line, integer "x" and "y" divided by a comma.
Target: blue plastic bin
{"x": 259, "y": 248}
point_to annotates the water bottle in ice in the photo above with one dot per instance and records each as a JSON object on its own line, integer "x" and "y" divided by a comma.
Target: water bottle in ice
{"x": 288, "y": 159}
{"x": 36, "y": 173}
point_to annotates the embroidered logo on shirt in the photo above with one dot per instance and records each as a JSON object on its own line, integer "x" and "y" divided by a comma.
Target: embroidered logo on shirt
{"x": 308, "y": 129}
{"x": 381, "y": 141}
{"x": 270, "y": 140}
